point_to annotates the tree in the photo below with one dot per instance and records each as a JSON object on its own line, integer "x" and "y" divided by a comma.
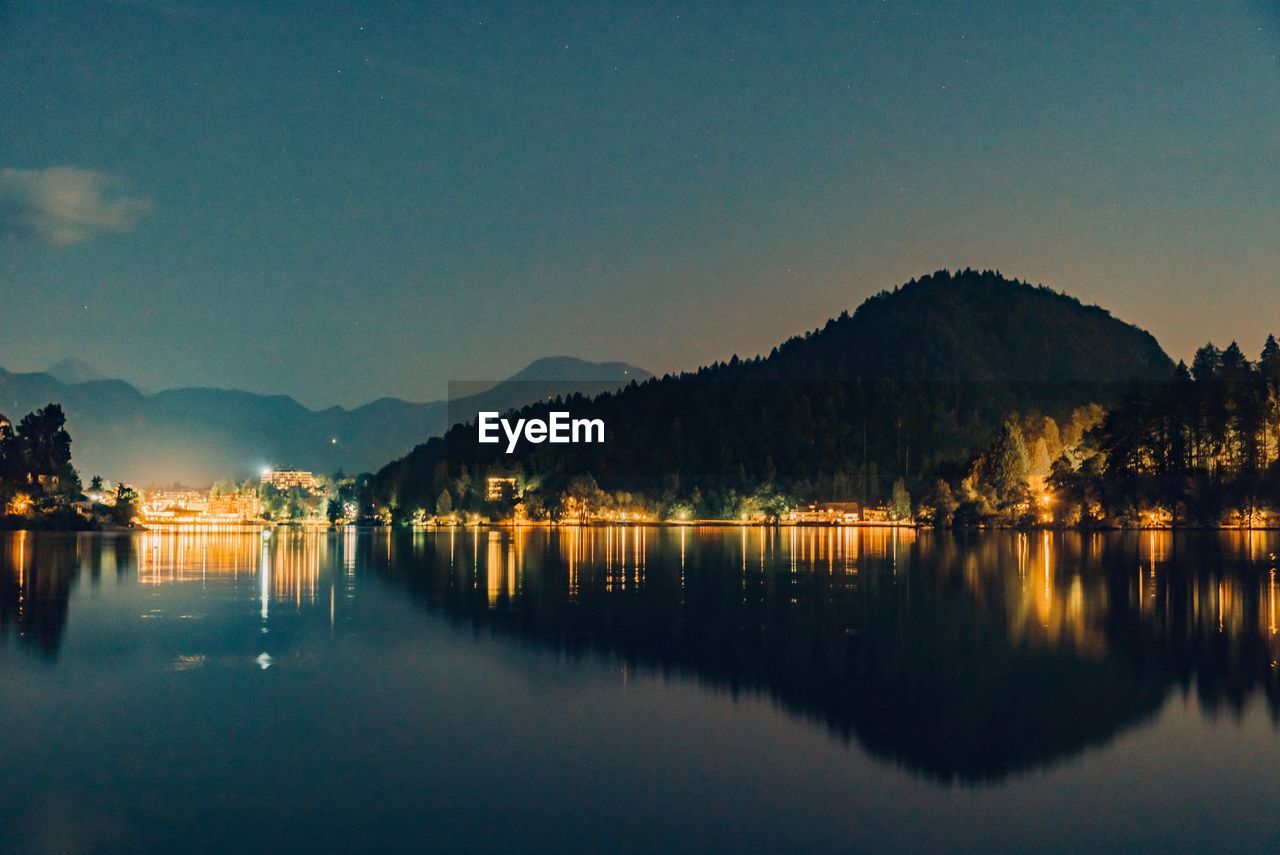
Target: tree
{"x": 126, "y": 506}
{"x": 900, "y": 503}
{"x": 1205, "y": 364}
{"x": 1040, "y": 461}
{"x": 334, "y": 511}
{"x": 582, "y": 495}
{"x": 1010, "y": 465}
{"x": 42, "y": 447}
{"x": 1270, "y": 361}
{"x": 444, "y": 504}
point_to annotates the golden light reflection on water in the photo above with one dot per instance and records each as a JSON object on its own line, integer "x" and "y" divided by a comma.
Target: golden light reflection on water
{"x": 283, "y": 565}
{"x": 1060, "y": 588}
{"x": 1072, "y": 635}
{"x": 618, "y": 558}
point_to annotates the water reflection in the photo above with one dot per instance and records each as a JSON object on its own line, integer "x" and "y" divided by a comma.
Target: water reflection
{"x": 961, "y": 657}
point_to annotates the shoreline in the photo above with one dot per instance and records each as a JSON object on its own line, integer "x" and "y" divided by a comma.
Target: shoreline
{"x": 7, "y": 525}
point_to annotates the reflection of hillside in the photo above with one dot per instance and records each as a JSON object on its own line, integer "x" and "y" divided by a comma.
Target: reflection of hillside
{"x": 962, "y": 658}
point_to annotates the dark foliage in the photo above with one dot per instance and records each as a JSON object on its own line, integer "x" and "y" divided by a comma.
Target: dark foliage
{"x": 36, "y": 477}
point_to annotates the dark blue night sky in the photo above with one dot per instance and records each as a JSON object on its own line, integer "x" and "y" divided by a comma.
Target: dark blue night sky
{"x": 342, "y": 202}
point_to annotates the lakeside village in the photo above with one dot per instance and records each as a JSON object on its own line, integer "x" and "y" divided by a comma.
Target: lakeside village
{"x": 39, "y": 488}
{"x": 285, "y": 496}
{"x": 1201, "y": 451}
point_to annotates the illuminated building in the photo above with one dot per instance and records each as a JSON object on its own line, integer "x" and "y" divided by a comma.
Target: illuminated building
{"x": 876, "y": 515}
{"x": 173, "y": 505}
{"x": 835, "y": 513}
{"x": 287, "y": 479}
{"x": 498, "y": 487}
{"x": 198, "y": 507}
{"x": 242, "y": 506}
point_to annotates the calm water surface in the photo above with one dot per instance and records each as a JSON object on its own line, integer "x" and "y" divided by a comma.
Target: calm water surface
{"x": 638, "y": 689}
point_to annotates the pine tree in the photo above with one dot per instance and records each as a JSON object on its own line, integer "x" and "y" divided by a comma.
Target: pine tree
{"x": 900, "y": 503}
{"x": 1010, "y": 464}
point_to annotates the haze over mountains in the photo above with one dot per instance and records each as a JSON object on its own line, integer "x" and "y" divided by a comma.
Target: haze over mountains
{"x": 196, "y": 436}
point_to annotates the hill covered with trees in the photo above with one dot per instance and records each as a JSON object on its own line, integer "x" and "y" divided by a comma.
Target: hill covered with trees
{"x": 890, "y": 395}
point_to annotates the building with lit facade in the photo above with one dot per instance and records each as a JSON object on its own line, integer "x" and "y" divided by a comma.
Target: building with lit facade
{"x": 286, "y": 479}
{"x": 831, "y": 513}
{"x": 238, "y": 505}
{"x": 198, "y": 507}
{"x": 499, "y": 487}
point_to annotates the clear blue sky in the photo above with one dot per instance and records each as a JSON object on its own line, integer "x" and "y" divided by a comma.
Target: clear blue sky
{"x": 345, "y": 201}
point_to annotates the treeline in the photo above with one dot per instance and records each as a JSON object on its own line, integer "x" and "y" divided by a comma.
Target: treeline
{"x": 1202, "y": 449}
{"x": 717, "y": 447}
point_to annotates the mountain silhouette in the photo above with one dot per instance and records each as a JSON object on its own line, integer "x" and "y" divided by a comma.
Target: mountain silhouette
{"x": 198, "y": 435}
{"x": 72, "y": 370}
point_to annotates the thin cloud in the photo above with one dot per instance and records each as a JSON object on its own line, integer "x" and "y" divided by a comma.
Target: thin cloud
{"x": 64, "y": 205}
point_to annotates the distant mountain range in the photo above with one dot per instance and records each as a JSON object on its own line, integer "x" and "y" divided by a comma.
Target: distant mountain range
{"x": 198, "y": 435}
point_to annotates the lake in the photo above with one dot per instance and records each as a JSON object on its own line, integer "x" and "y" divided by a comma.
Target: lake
{"x": 638, "y": 689}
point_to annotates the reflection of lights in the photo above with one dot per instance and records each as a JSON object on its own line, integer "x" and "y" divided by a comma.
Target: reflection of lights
{"x": 1271, "y": 601}
{"x": 493, "y": 571}
{"x": 1043, "y": 588}
{"x": 264, "y": 571}
{"x": 287, "y": 565}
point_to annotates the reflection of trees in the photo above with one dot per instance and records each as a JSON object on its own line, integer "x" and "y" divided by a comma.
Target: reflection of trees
{"x": 1202, "y": 610}
{"x": 965, "y": 658}
{"x": 37, "y": 575}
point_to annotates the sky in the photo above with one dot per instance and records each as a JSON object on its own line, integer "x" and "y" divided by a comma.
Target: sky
{"x": 345, "y": 201}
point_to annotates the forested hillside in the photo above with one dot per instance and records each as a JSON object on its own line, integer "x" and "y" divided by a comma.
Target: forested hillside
{"x": 915, "y": 379}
